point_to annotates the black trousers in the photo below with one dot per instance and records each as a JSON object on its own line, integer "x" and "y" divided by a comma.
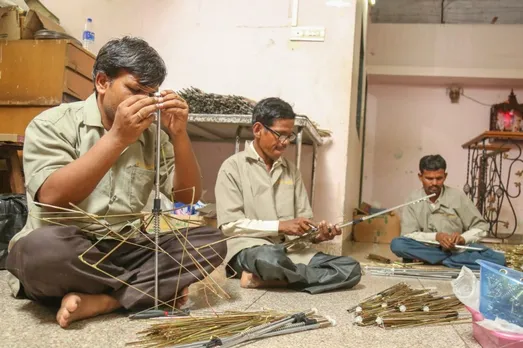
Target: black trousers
{"x": 47, "y": 263}
{"x": 323, "y": 273}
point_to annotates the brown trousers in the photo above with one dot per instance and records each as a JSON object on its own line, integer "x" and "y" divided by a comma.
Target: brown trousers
{"x": 47, "y": 263}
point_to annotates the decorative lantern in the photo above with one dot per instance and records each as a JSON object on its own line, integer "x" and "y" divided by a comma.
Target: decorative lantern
{"x": 507, "y": 116}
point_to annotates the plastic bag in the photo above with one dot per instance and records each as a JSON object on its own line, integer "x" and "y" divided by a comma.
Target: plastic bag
{"x": 466, "y": 288}
{"x": 13, "y": 215}
{"x": 165, "y": 203}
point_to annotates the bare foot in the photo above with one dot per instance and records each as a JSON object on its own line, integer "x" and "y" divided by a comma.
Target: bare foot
{"x": 182, "y": 298}
{"x": 76, "y": 306}
{"x": 250, "y": 281}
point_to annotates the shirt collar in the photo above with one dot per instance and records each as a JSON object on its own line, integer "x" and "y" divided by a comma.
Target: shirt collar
{"x": 253, "y": 154}
{"x": 443, "y": 198}
{"x": 93, "y": 117}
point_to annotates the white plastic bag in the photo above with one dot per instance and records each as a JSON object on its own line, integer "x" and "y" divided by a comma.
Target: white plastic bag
{"x": 501, "y": 325}
{"x": 165, "y": 203}
{"x": 466, "y": 288}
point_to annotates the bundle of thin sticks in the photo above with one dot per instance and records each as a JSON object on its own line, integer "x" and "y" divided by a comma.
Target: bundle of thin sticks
{"x": 324, "y": 133}
{"x": 227, "y": 329}
{"x": 211, "y": 103}
{"x": 514, "y": 257}
{"x": 381, "y": 259}
{"x": 402, "y": 306}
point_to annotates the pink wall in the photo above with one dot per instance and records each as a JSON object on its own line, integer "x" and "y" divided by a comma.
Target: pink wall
{"x": 406, "y": 122}
{"x": 457, "y": 50}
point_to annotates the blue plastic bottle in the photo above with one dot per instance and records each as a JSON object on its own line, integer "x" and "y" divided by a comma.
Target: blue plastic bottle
{"x": 88, "y": 35}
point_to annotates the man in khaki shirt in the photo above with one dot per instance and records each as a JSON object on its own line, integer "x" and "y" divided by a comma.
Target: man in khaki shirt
{"x": 261, "y": 203}
{"x": 99, "y": 155}
{"x": 449, "y": 219}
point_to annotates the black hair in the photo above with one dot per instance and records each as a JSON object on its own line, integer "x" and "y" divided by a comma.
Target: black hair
{"x": 133, "y": 55}
{"x": 270, "y": 109}
{"x": 431, "y": 163}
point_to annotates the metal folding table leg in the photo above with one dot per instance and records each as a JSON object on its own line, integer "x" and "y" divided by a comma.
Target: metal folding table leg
{"x": 313, "y": 174}
{"x": 299, "y": 139}
{"x": 238, "y": 138}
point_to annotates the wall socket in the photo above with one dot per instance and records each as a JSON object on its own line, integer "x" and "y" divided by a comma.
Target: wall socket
{"x": 307, "y": 33}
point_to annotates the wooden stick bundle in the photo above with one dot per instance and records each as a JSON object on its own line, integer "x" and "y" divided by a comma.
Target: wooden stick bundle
{"x": 402, "y": 306}
{"x": 227, "y": 329}
{"x": 514, "y": 257}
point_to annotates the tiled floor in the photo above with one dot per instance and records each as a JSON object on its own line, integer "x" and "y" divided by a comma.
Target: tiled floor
{"x": 26, "y": 324}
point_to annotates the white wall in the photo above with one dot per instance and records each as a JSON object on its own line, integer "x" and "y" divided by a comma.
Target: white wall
{"x": 111, "y": 18}
{"x": 355, "y": 141}
{"x": 239, "y": 47}
{"x": 242, "y": 47}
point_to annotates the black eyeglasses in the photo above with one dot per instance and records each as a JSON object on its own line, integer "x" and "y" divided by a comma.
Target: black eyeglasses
{"x": 281, "y": 138}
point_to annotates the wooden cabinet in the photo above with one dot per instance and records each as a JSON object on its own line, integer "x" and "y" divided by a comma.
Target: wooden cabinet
{"x": 38, "y": 74}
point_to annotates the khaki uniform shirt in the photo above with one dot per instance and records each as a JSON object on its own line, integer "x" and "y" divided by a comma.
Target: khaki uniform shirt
{"x": 452, "y": 212}
{"x": 60, "y": 135}
{"x": 245, "y": 191}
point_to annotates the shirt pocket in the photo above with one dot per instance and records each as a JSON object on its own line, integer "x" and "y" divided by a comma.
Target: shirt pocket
{"x": 285, "y": 201}
{"x": 449, "y": 221}
{"x": 141, "y": 184}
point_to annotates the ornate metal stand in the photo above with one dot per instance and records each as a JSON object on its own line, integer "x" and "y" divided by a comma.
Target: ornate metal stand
{"x": 490, "y": 177}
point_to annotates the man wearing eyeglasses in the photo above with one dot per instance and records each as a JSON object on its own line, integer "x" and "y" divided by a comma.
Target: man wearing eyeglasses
{"x": 262, "y": 203}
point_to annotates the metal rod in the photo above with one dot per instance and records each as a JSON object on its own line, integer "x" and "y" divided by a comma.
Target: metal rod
{"x": 417, "y": 273}
{"x": 314, "y": 166}
{"x": 418, "y": 270}
{"x": 314, "y": 231}
{"x": 299, "y": 140}
{"x": 298, "y": 328}
{"x": 465, "y": 247}
{"x": 263, "y": 329}
{"x": 365, "y": 218}
{"x": 286, "y": 329}
{"x": 237, "y": 139}
{"x": 156, "y": 205}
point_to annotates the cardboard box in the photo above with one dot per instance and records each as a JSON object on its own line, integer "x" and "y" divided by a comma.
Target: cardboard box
{"x": 35, "y": 21}
{"x": 39, "y": 7}
{"x": 183, "y": 221}
{"x": 14, "y": 26}
{"x": 13, "y": 138}
{"x": 10, "y": 23}
{"x": 211, "y": 222}
{"x": 382, "y": 229}
{"x": 178, "y": 222}
{"x": 208, "y": 212}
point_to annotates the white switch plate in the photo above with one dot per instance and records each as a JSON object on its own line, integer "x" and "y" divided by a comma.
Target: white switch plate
{"x": 307, "y": 33}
